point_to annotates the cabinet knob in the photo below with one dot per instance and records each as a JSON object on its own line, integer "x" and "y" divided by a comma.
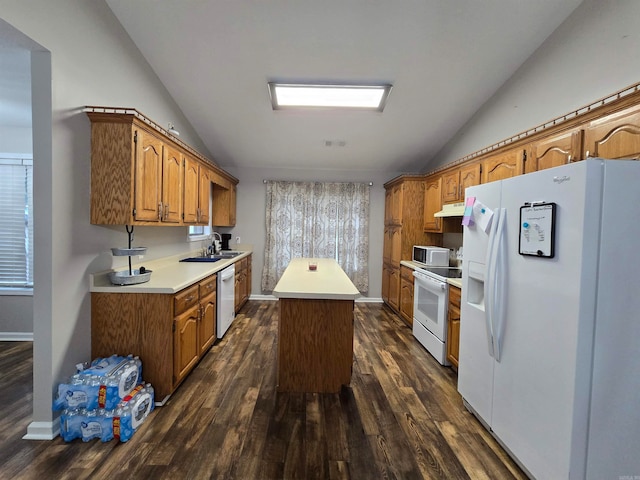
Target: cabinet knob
{"x": 160, "y": 211}
{"x": 568, "y": 158}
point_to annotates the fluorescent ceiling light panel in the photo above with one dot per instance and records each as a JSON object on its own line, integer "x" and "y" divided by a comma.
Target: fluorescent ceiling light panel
{"x": 364, "y": 97}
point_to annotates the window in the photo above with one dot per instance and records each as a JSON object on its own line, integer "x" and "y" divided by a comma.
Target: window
{"x": 16, "y": 222}
{"x": 321, "y": 220}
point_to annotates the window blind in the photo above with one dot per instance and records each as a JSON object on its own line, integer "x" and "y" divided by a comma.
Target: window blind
{"x": 16, "y": 222}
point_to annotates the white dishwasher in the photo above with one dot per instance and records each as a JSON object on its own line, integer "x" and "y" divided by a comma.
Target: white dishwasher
{"x": 225, "y": 299}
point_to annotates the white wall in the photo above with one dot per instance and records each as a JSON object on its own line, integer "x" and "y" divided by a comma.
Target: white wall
{"x": 251, "y": 203}
{"x": 92, "y": 62}
{"x": 15, "y": 139}
{"x": 592, "y": 54}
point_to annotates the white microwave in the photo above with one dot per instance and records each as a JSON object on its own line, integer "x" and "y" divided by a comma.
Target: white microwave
{"x": 431, "y": 256}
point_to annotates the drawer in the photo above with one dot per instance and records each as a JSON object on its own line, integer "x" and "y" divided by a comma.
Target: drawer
{"x": 185, "y": 299}
{"x": 208, "y": 285}
{"x": 406, "y": 273}
{"x": 454, "y": 296}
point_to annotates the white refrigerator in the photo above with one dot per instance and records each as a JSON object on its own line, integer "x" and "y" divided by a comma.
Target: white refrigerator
{"x": 550, "y": 318}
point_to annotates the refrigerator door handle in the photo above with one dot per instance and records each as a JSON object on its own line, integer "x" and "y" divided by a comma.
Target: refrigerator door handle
{"x": 499, "y": 285}
{"x": 489, "y": 284}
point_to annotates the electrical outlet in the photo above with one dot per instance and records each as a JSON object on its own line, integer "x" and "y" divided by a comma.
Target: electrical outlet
{"x": 238, "y": 239}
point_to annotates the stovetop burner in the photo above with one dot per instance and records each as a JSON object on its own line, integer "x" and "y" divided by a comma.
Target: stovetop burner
{"x": 444, "y": 272}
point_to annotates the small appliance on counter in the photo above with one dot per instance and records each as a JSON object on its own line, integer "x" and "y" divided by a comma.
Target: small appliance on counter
{"x": 131, "y": 276}
{"x": 431, "y": 256}
{"x": 225, "y": 239}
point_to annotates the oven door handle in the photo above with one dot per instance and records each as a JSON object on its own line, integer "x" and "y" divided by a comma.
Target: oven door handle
{"x": 430, "y": 283}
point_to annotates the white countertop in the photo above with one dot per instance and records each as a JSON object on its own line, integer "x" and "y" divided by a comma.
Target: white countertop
{"x": 327, "y": 282}
{"x": 456, "y": 282}
{"x": 168, "y": 275}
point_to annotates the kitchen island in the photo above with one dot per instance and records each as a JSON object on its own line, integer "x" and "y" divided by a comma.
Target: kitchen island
{"x": 315, "y": 331}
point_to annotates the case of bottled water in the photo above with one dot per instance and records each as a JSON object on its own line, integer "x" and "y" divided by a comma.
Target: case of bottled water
{"x": 102, "y": 384}
{"x": 120, "y": 422}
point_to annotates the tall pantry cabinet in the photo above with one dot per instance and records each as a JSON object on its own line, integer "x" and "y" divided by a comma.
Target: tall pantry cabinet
{"x": 403, "y": 228}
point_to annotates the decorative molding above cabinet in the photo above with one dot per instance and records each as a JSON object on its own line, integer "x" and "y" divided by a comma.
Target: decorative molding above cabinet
{"x": 142, "y": 175}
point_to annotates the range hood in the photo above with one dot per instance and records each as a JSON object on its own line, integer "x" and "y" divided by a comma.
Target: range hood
{"x": 451, "y": 210}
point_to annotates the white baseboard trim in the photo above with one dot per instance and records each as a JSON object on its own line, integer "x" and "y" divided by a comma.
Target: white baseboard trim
{"x": 262, "y": 297}
{"x": 42, "y": 430}
{"x": 368, "y": 300}
{"x": 16, "y": 336}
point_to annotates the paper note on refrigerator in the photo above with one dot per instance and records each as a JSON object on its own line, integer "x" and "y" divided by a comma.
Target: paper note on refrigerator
{"x": 467, "y": 217}
{"x": 482, "y": 216}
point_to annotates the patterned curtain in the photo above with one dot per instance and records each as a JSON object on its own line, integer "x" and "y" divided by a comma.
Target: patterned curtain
{"x": 321, "y": 220}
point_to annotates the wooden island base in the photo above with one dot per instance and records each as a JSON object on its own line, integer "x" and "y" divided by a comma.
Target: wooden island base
{"x": 315, "y": 345}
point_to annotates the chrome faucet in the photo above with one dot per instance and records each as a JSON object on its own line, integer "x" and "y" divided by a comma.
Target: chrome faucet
{"x": 216, "y": 243}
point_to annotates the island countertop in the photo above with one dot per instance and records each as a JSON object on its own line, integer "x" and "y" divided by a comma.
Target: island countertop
{"x": 328, "y": 281}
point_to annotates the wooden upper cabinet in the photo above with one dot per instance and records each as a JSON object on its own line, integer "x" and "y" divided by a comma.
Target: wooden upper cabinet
{"x": 223, "y": 213}
{"x": 432, "y": 204}
{"x": 396, "y": 204}
{"x": 456, "y": 181}
{"x": 554, "y": 151}
{"x": 140, "y": 176}
{"x": 191, "y": 183}
{"x": 451, "y": 186}
{"x": 503, "y": 165}
{"x": 470, "y": 175}
{"x": 148, "y": 177}
{"x": 172, "y": 186}
{"x": 204, "y": 192}
{"x": 615, "y": 136}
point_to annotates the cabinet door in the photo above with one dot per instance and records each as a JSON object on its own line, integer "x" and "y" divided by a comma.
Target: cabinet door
{"x": 207, "y": 334}
{"x": 396, "y": 204}
{"x": 232, "y": 206}
{"x": 432, "y": 204}
{"x": 224, "y": 205}
{"x": 555, "y": 151}
{"x": 469, "y": 176}
{"x": 171, "y": 186}
{"x": 394, "y": 287}
{"x": 204, "y": 192}
{"x": 386, "y": 272}
{"x": 451, "y": 187}
{"x": 616, "y": 136}
{"x": 388, "y": 200}
{"x": 191, "y": 182}
{"x": 386, "y": 245}
{"x": 453, "y": 336}
{"x": 148, "y": 177}
{"x": 406, "y": 295}
{"x": 453, "y": 326}
{"x": 503, "y": 165}
{"x": 396, "y": 246}
{"x": 236, "y": 290}
{"x": 185, "y": 342}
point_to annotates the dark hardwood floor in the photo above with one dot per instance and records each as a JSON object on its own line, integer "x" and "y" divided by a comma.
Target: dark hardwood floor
{"x": 401, "y": 417}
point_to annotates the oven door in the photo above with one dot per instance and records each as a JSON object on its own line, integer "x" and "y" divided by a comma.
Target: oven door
{"x": 430, "y": 298}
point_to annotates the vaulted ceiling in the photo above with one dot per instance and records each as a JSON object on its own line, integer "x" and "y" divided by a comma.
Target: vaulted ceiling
{"x": 445, "y": 59}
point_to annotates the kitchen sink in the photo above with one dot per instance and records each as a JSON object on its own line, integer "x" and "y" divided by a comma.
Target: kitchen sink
{"x": 213, "y": 258}
{"x": 226, "y": 254}
{"x": 201, "y": 259}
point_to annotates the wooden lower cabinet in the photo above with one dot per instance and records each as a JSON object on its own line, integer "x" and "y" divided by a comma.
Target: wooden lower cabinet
{"x": 453, "y": 326}
{"x": 406, "y": 294}
{"x": 169, "y": 332}
{"x": 242, "y": 282}
{"x": 394, "y": 287}
{"x": 185, "y": 343}
{"x": 315, "y": 344}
